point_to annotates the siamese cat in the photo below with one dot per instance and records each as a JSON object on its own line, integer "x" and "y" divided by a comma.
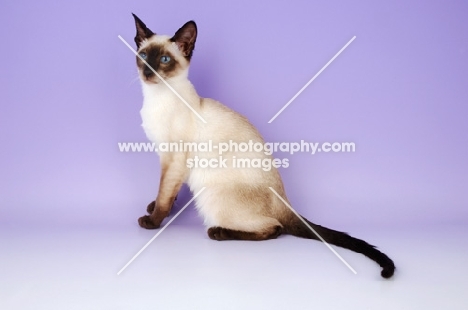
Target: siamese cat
{"x": 236, "y": 203}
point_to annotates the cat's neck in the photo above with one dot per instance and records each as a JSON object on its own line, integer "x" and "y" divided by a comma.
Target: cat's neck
{"x": 162, "y": 94}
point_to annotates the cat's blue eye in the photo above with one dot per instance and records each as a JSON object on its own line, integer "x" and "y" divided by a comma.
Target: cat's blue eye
{"x": 165, "y": 59}
{"x": 143, "y": 55}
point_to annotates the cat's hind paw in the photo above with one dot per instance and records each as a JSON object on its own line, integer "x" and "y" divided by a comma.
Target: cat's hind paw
{"x": 217, "y": 233}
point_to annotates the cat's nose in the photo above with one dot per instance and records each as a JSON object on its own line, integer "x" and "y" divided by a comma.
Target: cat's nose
{"x": 147, "y": 72}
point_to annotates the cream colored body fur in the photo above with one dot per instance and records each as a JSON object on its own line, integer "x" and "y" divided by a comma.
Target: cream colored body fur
{"x": 236, "y": 204}
{"x": 233, "y": 198}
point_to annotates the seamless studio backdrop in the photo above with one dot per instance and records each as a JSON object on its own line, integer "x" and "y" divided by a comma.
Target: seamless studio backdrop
{"x": 70, "y": 93}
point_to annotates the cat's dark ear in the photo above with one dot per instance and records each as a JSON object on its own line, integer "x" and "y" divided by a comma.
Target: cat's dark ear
{"x": 185, "y": 38}
{"x": 142, "y": 32}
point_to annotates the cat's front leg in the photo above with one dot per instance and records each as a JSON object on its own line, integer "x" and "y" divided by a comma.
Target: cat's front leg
{"x": 152, "y": 204}
{"x": 173, "y": 174}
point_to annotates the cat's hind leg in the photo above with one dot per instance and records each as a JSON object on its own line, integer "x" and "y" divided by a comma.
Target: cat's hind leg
{"x": 220, "y": 233}
{"x": 260, "y": 228}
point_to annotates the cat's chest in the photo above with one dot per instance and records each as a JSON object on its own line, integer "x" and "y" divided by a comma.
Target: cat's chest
{"x": 164, "y": 121}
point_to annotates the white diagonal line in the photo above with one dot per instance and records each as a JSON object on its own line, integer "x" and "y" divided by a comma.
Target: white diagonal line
{"x": 311, "y": 80}
{"x": 160, "y": 231}
{"x": 308, "y": 226}
{"x": 164, "y": 81}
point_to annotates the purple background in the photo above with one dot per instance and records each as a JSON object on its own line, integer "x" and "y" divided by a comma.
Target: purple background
{"x": 69, "y": 93}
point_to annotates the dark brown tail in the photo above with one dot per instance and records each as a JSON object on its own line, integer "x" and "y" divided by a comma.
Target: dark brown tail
{"x": 297, "y": 228}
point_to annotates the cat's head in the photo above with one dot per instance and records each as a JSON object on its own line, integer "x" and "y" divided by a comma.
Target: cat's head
{"x": 169, "y": 57}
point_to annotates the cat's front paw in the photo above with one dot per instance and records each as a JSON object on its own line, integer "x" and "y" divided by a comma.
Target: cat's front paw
{"x": 150, "y": 207}
{"x": 146, "y": 222}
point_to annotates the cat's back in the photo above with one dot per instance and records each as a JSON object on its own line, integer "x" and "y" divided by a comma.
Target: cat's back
{"x": 225, "y": 122}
